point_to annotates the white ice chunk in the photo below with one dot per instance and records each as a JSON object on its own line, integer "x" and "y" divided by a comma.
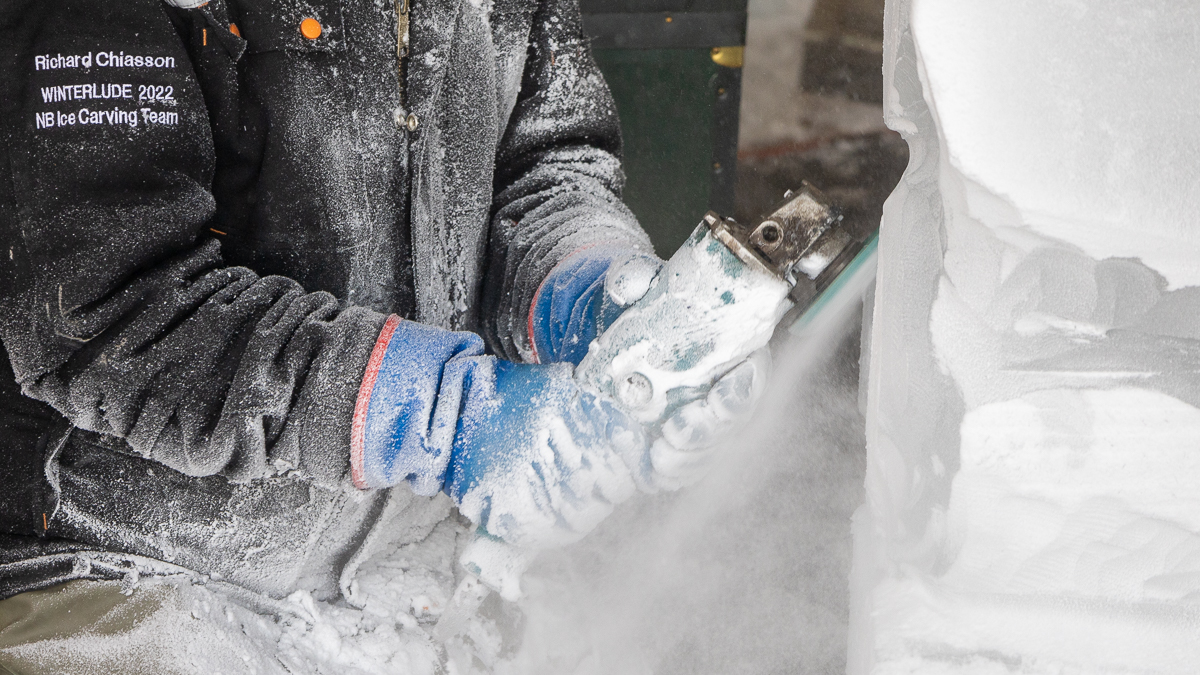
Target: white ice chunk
{"x": 1079, "y": 114}
{"x": 1034, "y": 389}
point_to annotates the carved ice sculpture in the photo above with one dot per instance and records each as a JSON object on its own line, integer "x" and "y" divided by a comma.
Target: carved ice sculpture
{"x": 1033, "y": 488}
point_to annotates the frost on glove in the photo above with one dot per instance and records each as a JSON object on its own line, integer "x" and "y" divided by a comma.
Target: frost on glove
{"x": 520, "y": 448}
{"x": 582, "y": 296}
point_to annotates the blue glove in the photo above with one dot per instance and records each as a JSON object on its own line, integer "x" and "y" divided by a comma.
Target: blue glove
{"x": 586, "y": 293}
{"x": 520, "y": 448}
{"x": 582, "y": 296}
{"x": 542, "y": 462}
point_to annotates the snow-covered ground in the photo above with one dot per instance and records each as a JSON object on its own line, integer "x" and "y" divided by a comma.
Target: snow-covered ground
{"x": 1032, "y": 426}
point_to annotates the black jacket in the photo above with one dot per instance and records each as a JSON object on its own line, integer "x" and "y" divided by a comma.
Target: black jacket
{"x": 205, "y": 217}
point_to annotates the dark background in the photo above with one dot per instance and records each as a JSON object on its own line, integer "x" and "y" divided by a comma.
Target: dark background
{"x": 733, "y": 138}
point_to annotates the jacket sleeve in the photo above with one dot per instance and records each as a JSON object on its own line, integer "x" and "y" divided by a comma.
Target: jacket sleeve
{"x": 116, "y": 307}
{"x": 558, "y": 176}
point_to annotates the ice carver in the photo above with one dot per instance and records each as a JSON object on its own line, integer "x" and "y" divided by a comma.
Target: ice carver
{"x": 264, "y": 260}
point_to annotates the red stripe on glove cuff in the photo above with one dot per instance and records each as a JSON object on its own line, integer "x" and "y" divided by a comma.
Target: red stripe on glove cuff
{"x": 363, "y": 404}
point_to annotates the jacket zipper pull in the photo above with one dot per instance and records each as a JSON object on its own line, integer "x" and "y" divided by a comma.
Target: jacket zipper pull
{"x": 401, "y": 117}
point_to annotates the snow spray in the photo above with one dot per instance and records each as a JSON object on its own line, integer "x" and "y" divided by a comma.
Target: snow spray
{"x": 719, "y": 299}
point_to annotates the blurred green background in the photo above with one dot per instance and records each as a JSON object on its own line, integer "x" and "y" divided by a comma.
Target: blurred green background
{"x": 666, "y": 99}
{"x": 678, "y": 105}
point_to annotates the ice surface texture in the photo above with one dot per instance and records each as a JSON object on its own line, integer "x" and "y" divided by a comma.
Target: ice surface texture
{"x": 1032, "y": 418}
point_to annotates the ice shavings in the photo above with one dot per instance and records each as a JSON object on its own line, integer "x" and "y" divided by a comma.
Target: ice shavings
{"x": 403, "y": 591}
{"x": 205, "y": 626}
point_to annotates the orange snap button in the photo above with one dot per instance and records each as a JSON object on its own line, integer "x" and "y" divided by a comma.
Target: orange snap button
{"x": 310, "y": 28}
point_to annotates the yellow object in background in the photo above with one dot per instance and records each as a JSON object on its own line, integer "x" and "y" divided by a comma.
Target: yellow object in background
{"x": 730, "y": 57}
